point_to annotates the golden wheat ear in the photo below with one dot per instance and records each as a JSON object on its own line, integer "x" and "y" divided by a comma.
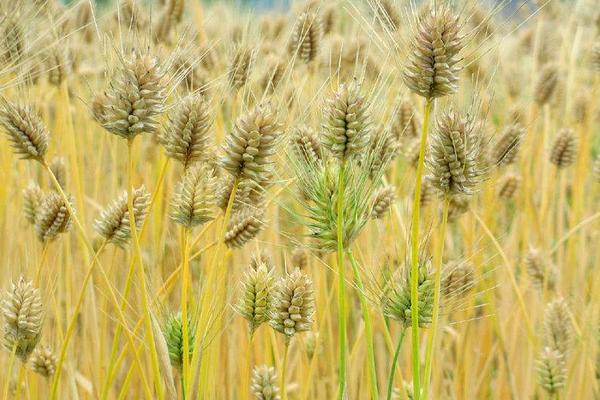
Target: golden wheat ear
{"x": 564, "y": 149}
{"x": 53, "y": 217}
{"x": 306, "y": 38}
{"x": 256, "y": 295}
{"x": 43, "y": 361}
{"x": 293, "y": 304}
{"x": 194, "y": 199}
{"x": 27, "y": 134}
{"x": 264, "y": 383}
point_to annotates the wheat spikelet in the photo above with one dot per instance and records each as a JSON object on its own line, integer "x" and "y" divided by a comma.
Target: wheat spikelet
{"x": 564, "y": 149}
{"x": 293, "y": 304}
{"x": 346, "y": 122}
{"x": 25, "y": 130}
{"x": 23, "y": 318}
{"x": 306, "y": 37}
{"x": 194, "y": 198}
{"x": 506, "y": 149}
{"x": 32, "y": 200}
{"x": 136, "y": 97}
{"x": 546, "y": 84}
{"x": 434, "y": 60}
{"x": 113, "y": 224}
{"x": 250, "y": 146}
{"x": 383, "y": 200}
{"x": 557, "y": 332}
{"x": 52, "y": 218}
{"x": 256, "y": 295}
{"x": 59, "y": 169}
{"x": 540, "y": 269}
{"x": 43, "y": 361}
{"x": 244, "y": 226}
{"x": 173, "y": 332}
{"x": 187, "y": 136}
{"x": 551, "y": 370}
{"x": 508, "y": 185}
{"x": 264, "y": 383}
{"x": 240, "y": 67}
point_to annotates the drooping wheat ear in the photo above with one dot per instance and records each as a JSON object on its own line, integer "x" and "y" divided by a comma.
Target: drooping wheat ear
{"x": 407, "y": 123}
{"x": 32, "y": 201}
{"x": 557, "y": 326}
{"x": 541, "y": 271}
{"x": 455, "y": 155}
{"x": 427, "y": 191}
{"x": 506, "y": 149}
{"x": 396, "y": 298}
{"x": 551, "y": 370}
{"x": 264, "y": 383}
{"x": 383, "y": 199}
{"x": 26, "y": 132}
{"x": 346, "y": 122}
{"x": 240, "y": 67}
{"x": 306, "y": 37}
{"x": 508, "y": 185}
{"x": 434, "y": 59}
{"x": 546, "y": 84}
{"x": 135, "y": 97}
{"x": 564, "y": 149}
{"x": 299, "y": 259}
{"x": 384, "y": 148}
{"x": 173, "y": 332}
{"x": 58, "y": 65}
{"x": 58, "y": 167}
{"x": 596, "y": 56}
{"x": 43, "y": 361}
{"x": 53, "y": 217}
{"x": 245, "y": 225}
{"x": 388, "y": 14}
{"x": 457, "y": 207}
{"x": 250, "y": 146}
{"x": 458, "y": 278}
{"x": 187, "y": 136}
{"x": 273, "y": 75}
{"x": 13, "y": 41}
{"x": 306, "y": 145}
{"x": 23, "y": 314}
{"x": 113, "y": 224}
{"x": 293, "y": 304}
{"x": 256, "y": 295}
{"x": 194, "y": 198}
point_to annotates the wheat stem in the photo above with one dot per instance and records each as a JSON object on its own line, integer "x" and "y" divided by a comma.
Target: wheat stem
{"x": 341, "y": 285}
{"x": 390, "y": 388}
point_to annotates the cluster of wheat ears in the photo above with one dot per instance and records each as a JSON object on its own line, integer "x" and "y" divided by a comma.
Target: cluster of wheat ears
{"x": 377, "y": 199}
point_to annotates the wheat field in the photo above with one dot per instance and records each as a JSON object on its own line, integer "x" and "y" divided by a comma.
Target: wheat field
{"x": 339, "y": 199}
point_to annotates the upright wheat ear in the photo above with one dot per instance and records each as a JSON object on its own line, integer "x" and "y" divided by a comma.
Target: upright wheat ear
{"x": 506, "y": 148}
{"x": 551, "y": 370}
{"x": 557, "y": 326}
{"x": 306, "y": 37}
{"x": 32, "y": 200}
{"x": 240, "y": 67}
{"x": 43, "y": 361}
{"x": 294, "y": 304}
{"x": 546, "y": 84}
{"x": 540, "y": 269}
{"x": 306, "y": 145}
{"x": 136, "y": 97}
{"x": 383, "y": 200}
{"x": 194, "y": 199}
{"x": 173, "y": 332}
{"x": 187, "y": 137}
{"x": 346, "y": 124}
{"x": 434, "y": 60}
{"x": 264, "y": 383}
{"x": 564, "y": 149}
{"x": 53, "y": 218}
{"x": 25, "y": 130}
{"x": 256, "y": 295}
{"x": 23, "y": 318}
{"x": 508, "y": 185}
{"x": 244, "y": 226}
{"x": 406, "y": 123}
{"x": 113, "y": 224}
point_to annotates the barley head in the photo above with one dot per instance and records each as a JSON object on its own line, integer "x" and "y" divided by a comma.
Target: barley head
{"x": 53, "y": 218}
{"x": 306, "y": 37}
{"x": 26, "y": 132}
{"x": 32, "y": 201}
{"x": 256, "y": 295}
{"x": 194, "y": 199}
{"x": 293, "y": 304}
{"x": 173, "y": 332}
{"x": 244, "y": 226}
{"x": 264, "y": 383}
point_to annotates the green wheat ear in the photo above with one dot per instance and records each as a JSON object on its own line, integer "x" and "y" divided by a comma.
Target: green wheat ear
{"x": 173, "y": 332}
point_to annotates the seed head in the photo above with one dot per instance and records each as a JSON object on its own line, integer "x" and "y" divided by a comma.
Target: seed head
{"x": 541, "y": 271}
{"x": 396, "y": 298}
{"x": 293, "y": 304}
{"x": 113, "y": 224}
{"x": 187, "y": 137}
{"x": 249, "y": 148}
{"x": 13, "y": 41}
{"x": 240, "y": 67}
{"x": 299, "y": 259}
{"x": 506, "y": 148}
{"x": 596, "y": 56}
{"x": 383, "y": 149}
{"x": 508, "y": 185}
{"x": 264, "y": 383}
{"x": 32, "y": 201}
{"x": 25, "y": 130}
{"x": 244, "y": 226}
{"x": 407, "y": 123}
{"x": 383, "y": 199}
{"x": 256, "y": 295}
{"x": 427, "y": 191}
{"x": 136, "y": 97}
{"x": 546, "y": 84}
{"x": 59, "y": 65}
{"x": 557, "y": 326}
{"x": 194, "y": 199}
{"x": 23, "y": 318}
{"x": 306, "y": 145}
{"x": 53, "y": 218}
{"x": 434, "y": 60}
{"x": 564, "y": 149}
{"x": 306, "y": 37}
{"x": 173, "y": 332}
{"x": 273, "y": 74}
{"x": 346, "y": 122}
{"x": 43, "y": 362}
{"x": 455, "y": 155}
{"x": 59, "y": 169}
{"x": 551, "y": 370}
{"x": 458, "y": 278}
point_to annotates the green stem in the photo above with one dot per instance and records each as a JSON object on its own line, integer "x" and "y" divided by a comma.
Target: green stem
{"x": 185, "y": 275}
{"x": 341, "y": 285}
{"x": 414, "y": 264}
{"x": 390, "y": 388}
{"x": 182, "y": 379}
{"x": 436, "y": 299}
{"x": 368, "y": 326}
